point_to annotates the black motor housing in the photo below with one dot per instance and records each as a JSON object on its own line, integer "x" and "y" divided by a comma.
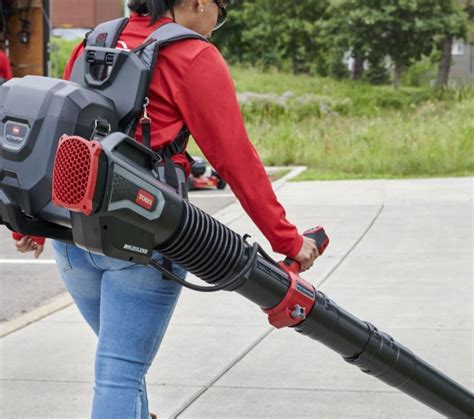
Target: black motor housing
{"x": 34, "y": 113}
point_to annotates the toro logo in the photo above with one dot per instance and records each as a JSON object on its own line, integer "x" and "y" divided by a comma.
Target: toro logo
{"x": 144, "y": 199}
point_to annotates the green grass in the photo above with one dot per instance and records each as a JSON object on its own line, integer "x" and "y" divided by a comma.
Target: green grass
{"x": 368, "y": 132}
{"x": 431, "y": 140}
{"x": 60, "y": 52}
{"x": 352, "y": 97}
{"x": 312, "y": 175}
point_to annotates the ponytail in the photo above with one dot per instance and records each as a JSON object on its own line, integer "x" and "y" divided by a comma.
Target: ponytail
{"x": 155, "y": 8}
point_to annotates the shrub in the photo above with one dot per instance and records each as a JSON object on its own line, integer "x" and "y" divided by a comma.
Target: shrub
{"x": 61, "y": 50}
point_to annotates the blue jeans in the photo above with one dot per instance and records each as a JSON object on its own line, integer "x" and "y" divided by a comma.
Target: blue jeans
{"x": 128, "y": 306}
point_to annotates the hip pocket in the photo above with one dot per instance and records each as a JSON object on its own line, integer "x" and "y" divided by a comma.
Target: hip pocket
{"x": 62, "y": 255}
{"x": 118, "y": 264}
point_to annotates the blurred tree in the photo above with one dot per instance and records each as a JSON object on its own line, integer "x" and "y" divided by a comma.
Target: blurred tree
{"x": 313, "y": 35}
{"x": 229, "y": 39}
{"x": 377, "y": 72}
{"x": 274, "y": 32}
{"x": 405, "y": 30}
{"x": 337, "y": 68}
{"x": 356, "y": 26}
{"x": 453, "y": 25}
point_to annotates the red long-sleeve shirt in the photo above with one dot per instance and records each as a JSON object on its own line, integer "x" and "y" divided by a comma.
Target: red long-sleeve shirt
{"x": 192, "y": 86}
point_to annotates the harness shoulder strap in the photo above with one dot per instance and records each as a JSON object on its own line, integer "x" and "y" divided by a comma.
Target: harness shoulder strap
{"x": 147, "y": 52}
{"x": 172, "y": 32}
{"x": 166, "y": 34}
{"x": 106, "y": 34}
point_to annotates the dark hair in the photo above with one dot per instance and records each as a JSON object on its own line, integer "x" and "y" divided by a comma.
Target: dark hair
{"x": 156, "y": 8}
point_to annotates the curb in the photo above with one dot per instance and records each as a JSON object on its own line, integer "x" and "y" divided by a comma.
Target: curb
{"x": 295, "y": 172}
{"x": 226, "y": 216}
{"x": 56, "y": 304}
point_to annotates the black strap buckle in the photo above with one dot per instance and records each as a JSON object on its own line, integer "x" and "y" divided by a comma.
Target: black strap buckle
{"x": 101, "y": 129}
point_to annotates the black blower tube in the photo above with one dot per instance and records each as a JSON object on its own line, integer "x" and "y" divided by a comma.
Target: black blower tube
{"x": 120, "y": 209}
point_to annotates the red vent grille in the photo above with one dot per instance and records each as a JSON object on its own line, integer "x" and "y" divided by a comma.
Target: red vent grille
{"x": 75, "y": 174}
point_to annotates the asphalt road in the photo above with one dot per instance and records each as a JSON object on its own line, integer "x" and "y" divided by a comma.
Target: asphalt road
{"x": 26, "y": 284}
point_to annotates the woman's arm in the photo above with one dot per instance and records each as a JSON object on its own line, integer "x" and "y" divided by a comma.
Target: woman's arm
{"x": 208, "y": 103}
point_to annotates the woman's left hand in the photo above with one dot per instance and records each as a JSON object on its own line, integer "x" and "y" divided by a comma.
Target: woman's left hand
{"x": 27, "y": 244}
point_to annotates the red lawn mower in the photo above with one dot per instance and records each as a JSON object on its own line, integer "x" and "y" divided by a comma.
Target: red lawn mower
{"x": 203, "y": 176}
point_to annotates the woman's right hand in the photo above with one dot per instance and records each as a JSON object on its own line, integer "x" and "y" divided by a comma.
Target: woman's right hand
{"x": 308, "y": 254}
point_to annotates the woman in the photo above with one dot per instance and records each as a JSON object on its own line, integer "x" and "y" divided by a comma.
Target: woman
{"x": 191, "y": 86}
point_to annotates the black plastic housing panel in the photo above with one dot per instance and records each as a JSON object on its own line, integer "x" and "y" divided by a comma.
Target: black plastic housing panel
{"x": 34, "y": 113}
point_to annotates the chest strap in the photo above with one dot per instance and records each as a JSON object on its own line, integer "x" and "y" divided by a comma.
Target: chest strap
{"x": 166, "y": 153}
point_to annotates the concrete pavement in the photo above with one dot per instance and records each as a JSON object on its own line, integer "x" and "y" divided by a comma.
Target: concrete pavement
{"x": 400, "y": 256}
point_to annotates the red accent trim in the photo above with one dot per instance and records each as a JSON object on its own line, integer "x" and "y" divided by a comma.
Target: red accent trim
{"x": 85, "y": 204}
{"x": 281, "y": 315}
{"x": 145, "y": 199}
{"x": 18, "y": 236}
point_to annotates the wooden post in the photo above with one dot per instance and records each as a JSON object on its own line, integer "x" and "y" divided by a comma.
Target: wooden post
{"x": 30, "y": 58}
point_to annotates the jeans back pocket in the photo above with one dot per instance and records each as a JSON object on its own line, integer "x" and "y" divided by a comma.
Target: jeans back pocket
{"x": 61, "y": 255}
